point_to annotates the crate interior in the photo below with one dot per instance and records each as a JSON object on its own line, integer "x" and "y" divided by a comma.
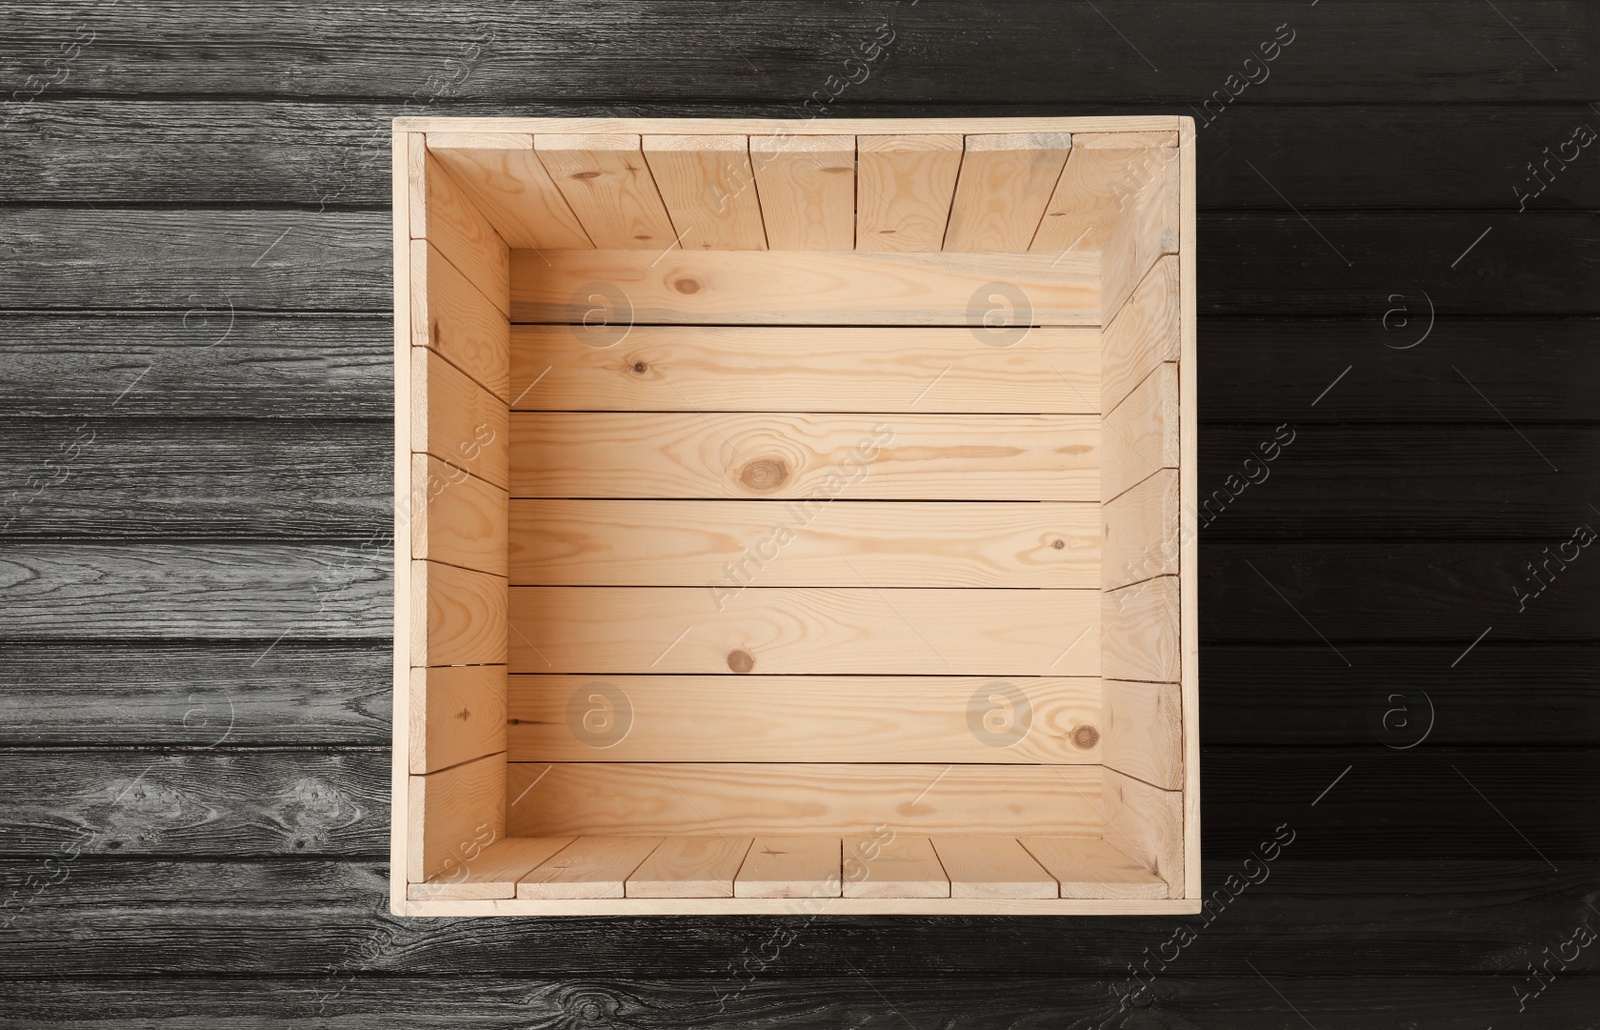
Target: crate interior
{"x": 795, "y": 516}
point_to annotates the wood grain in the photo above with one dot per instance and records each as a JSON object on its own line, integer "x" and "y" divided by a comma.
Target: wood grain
{"x": 790, "y": 867}
{"x": 607, "y": 183}
{"x": 455, "y": 419}
{"x": 492, "y": 872}
{"x": 454, "y": 814}
{"x": 1142, "y": 531}
{"x": 817, "y": 457}
{"x": 992, "y": 867}
{"x": 1146, "y": 824}
{"x": 1003, "y": 189}
{"x": 450, "y": 316}
{"x": 1141, "y": 433}
{"x": 904, "y": 185}
{"x": 443, "y": 214}
{"x": 456, "y": 518}
{"x": 689, "y": 867}
{"x": 725, "y": 545}
{"x": 589, "y": 867}
{"x": 1103, "y": 172}
{"x": 511, "y": 187}
{"x": 1149, "y": 228}
{"x": 888, "y": 865}
{"x": 458, "y": 713}
{"x": 457, "y": 616}
{"x": 766, "y": 799}
{"x": 1139, "y": 631}
{"x": 1088, "y": 868}
{"x": 709, "y": 190}
{"x": 603, "y": 630}
{"x": 1142, "y": 731}
{"x": 807, "y": 188}
{"x": 1142, "y": 333}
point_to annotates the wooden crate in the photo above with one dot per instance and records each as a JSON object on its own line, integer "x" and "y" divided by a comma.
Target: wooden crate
{"x": 795, "y": 517}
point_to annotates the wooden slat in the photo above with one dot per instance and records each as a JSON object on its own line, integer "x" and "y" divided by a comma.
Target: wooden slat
{"x": 409, "y": 613}
{"x": 1146, "y": 824}
{"x": 774, "y": 798}
{"x": 1139, "y": 631}
{"x": 1089, "y": 868}
{"x": 1142, "y": 333}
{"x": 456, "y": 518}
{"x": 1141, "y": 532}
{"x": 589, "y": 867}
{"x": 454, "y": 418}
{"x": 1189, "y": 561}
{"x": 1141, "y": 434}
{"x": 798, "y": 631}
{"x": 1004, "y": 186}
{"x": 887, "y": 865}
{"x": 992, "y": 867}
{"x": 904, "y": 185}
{"x": 450, "y": 317}
{"x": 458, "y": 713}
{"x": 443, "y": 214}
{"x": 859, "y": 457}
{"x": 943, "y": 719}
{"x": 1142, "y": 731}
{"x": 511, "y": 187}
{"x": 802, "y": 288}
{"x": 1144, "y": 232}
{"x": 689, "y": 867}
{"x": 880, "y": 369}
{"x": 774, "y": 543}
{"x": 493, "y": 873}
{"x": 454, "y": 814}
{"x": 709, "y": 190}
{"x": 607, "y": 184}
{"x": 807, "y": 186}
{"x": 1103, "y": 174}
{"x": 457, "y": 616}
{"x": 790, "y": 867}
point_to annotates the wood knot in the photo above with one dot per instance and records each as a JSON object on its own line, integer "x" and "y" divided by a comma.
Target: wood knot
{"x": 740, "y": 661}
{"x": 1085, "y": 737}
{"x": 433, "y": 332}
{"x": 686, "y": 285}
{"x": 1058, "y": 544}
{"x": 764, "y": 474}
{"x": 640, "y": 368}
{"x": 586, "y": 175}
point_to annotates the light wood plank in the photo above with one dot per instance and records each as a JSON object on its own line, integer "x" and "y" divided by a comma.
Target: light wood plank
{"x": 1143, "y": 731}
{"x": 1141, "y": 434}
{"x": 790, "y": 867}
{"x": 935, "y": 369}
{"x": 457, "y": 518}
{"x": 458, "y": 713}
{"x": 460, "y": 811}
{"x": 455, "y": 419}
{"x": 1144, "y": 232}
{"x": 1005, "y": 183}
{"x": 1141, "y": 532}
{"x": 1088, "y": 868}
{"x": 404, "y": 835}
{"x": 689, "y": 867}
{"x": 776, "y": 287}
{"x": 589, "y": 867}
{"x": 992, "y": 867}
{"x": 857, "y": 457}
{"x": 1146, "y": 824}
{"x": 725, "y": 545}
{"x": 774, "y": 798}
{"x": 887, "y": 865}
{"x": 458, "y": 616}
{"x": 512, "y": 188}
{"x": 778, "y": 631}
{"x": 494, "y": 873}
{"x": 443, "y": 214}
{"x": 461, "y": 325}
{"x": 800, "y": 127}
{"x": 807, "y": 186}
{"x": 1139, "y": 631}
{"x": 1189, "y": 578}
{"x": 1142, "y": 334}
{"x": 1103, "y": 173}
{"x": 904, "y": 185}
{"x": 607, "y": 183}
{"x": 935, "y": 719}
{"x": 709, "y": 189}
{"x": 703, "y": 907}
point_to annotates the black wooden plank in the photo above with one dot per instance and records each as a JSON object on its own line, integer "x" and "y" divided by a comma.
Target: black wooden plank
{"x": 198, "y": 694}
{"x": 1500, "y": 696}
{"x": 1038, "y": 52}
{"x": 1444, "y": 593}
{"x": 1399, "y": 368}
{"x": 260, "y": 479}
{"x": 312, "y": 918}
{"x": 265, "y": 592}
{"x": 201, "y": 364}
{"x": 950, "y": 1002}
{"x": 260, "y": 153}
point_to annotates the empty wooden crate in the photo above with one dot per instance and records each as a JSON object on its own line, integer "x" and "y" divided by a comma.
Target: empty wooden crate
{"x": 791, "y": 517}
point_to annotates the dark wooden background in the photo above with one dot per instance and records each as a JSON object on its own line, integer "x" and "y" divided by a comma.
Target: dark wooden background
{"x": 195, "y": 472}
